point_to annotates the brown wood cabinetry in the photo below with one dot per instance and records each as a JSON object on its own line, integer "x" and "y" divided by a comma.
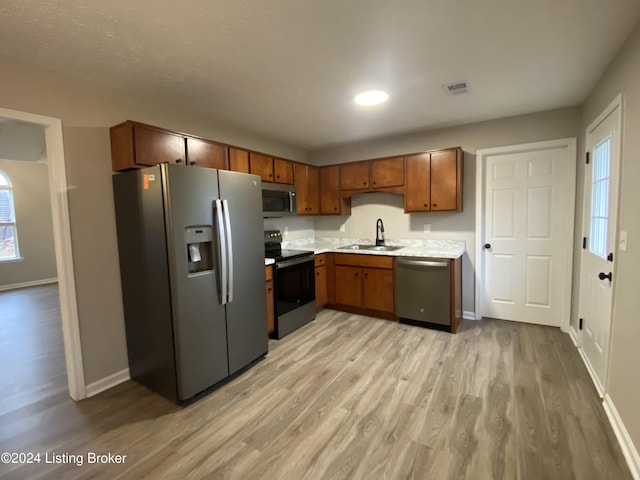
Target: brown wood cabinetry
{"x": 387, "y": 172}
{"x": 135, "y": 145}
{"x": 261, "y": 165}
{"x": 365, "y": 284}
{"x": 203, "y": 153}
{"x": 321, "y": 281}
{"x": 283, "y": 171}
{"x": 331, "y": 203}
{"x": 238, "y": 160}
{"x": 271, "y": 325}
{"x": 354, "y": 176}
{"x": 307, "y": 182}
{"x": 434, "y": 181}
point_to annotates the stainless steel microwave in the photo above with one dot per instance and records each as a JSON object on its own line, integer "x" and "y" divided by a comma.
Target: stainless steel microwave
{"x": 278, "y": 200}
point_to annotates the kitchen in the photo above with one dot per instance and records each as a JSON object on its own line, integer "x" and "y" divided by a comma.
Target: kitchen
{"x": 86, "y": 140}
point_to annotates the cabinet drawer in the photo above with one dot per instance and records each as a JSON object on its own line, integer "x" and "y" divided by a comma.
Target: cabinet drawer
{"x": 359, "y": 260}
{"x": 320, "y": 260}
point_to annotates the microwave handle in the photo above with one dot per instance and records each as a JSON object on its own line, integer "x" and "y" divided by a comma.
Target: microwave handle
{"x": 292, "y": 203}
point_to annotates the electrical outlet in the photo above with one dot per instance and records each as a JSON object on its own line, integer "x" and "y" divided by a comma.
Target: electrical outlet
{"x": 427, "y": 227}
{"x": 342, "y": 228}
{"x": 286, "y": 230}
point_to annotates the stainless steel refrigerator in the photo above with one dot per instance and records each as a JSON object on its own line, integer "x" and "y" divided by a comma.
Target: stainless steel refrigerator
{"x": 191, "y": 253}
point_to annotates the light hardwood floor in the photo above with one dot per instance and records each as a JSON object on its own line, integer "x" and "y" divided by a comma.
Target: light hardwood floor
{"x": 355, "y": 398}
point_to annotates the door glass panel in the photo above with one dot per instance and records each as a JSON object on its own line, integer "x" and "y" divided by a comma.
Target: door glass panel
{"x": 600, "y": 198}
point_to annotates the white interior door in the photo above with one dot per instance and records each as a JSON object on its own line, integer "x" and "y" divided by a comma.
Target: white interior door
{"x": 597, "y": 259}
{"x": 527, "y": 226}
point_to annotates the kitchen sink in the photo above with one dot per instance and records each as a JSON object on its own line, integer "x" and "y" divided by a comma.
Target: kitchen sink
{"x": 376, "y": 248}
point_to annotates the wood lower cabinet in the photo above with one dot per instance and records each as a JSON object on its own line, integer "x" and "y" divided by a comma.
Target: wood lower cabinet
{"x": 434, "y": 181}
{"x": 321, "y": 281}
{"x": 365, "y": 284}
{"x": 331, "y": 203}
{"x": 307, "y": 182}
{"x": 271, "y": 324}
{"x": 203, "y": 153}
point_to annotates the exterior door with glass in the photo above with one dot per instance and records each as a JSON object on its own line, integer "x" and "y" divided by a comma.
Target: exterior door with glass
{"x": 597, "y": 276}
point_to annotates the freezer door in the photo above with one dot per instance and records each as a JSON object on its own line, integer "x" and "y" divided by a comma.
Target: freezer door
{"x": 247, "y": 310}
{"x": 199, "y": 326}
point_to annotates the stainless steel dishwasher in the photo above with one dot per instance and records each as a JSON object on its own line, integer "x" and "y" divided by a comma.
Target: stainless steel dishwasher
{"x": 423, "y": 291}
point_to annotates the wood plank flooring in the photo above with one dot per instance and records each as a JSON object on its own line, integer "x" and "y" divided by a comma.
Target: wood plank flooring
{"x": 350, "y": 397}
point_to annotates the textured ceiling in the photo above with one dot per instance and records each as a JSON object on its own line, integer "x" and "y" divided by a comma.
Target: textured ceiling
{"x": 289, "y": 69}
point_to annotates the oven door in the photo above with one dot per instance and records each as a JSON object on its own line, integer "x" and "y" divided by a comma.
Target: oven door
{"x": 295, "y": 284}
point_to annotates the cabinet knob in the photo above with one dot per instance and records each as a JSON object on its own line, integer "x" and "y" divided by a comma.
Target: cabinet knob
{"x": 374, "y": 182}
{"x": 277, "y": 176}
{"x": 435, "y": 204}
{"x": 270, "y": 175}
{"x": 335, "y": 208}
{"x": 317, "y": 274}
{"x": 178, "y": 160}
{"x": 366, "y": 275}
{"x": 269, "y": 290}
{"x": 192, "y": 162}
{"x": 357, "y": 274}
{"x": 364, "y": 183}
{"x": 426, "y": 204}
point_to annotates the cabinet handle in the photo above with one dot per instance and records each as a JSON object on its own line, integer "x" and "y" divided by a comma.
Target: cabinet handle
{"x": 364, "y": 183}
{"x": 317, "y": 273}
{"x": 357, "y": 274}
{"x": 435, "y": 204}
{"x": 270, "y": 175}
{"x": 374, "y": 182}
{"x": 426, "y": 204}
{"x": 192, "y": 162}
{"x": 335, "y": 208}
{"x": 366, "y": 275}
{"x": 178, "y": 160}
{"x": 277, "y": 176}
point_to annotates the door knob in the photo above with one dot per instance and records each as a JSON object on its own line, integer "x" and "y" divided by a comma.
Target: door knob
{"x": 487, "y": 246}
{"x": 602, "y": 276}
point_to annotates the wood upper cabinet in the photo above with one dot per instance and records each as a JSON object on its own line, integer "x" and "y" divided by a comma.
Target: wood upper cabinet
{"x": 354, "y": 176}
{"x": 434, "y": 181}
{"x": 387, "y": 172}
{"x": 306, "y": 179}
{"x": 203, "y": 153}
{"x": 135, "y": 145}
{"x": 238, "y": 160}
{"x": 331, "y": 203}
{"x": 283, "y": 171}
{"x": 261, "y": 165}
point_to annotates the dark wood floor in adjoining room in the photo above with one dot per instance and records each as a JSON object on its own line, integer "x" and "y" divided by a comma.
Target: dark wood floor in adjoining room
{"x": 351, "y": 397}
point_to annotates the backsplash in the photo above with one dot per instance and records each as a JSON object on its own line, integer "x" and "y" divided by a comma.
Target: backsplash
{"x": 292, "y": 228}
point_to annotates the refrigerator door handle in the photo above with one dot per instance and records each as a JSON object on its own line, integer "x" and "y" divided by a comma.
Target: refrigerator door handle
{"x": 222, "y": 238}
{"x": 227, "y": 219}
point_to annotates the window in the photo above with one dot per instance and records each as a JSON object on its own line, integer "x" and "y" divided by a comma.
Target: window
{"x": 600, "y": 198}
{"x": 8, "y": 234}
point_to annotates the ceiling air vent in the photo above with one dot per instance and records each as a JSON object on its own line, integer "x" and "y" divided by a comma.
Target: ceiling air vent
{"x": 456, "y": 88}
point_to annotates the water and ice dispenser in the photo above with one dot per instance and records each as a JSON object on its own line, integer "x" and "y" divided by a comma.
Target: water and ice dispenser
{"x": 199, "y": 249}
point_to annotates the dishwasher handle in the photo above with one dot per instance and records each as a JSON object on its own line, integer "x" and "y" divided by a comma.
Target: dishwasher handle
{"x": 422, "y": 263}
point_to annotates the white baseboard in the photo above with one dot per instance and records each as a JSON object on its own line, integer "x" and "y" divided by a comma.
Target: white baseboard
{"x": 573, "y": 336}
{"x": 107, "y": 382}
{"x": 467, "y": 315}
{"x": 626, "y": 444}
{"x": 592, "y": 374}
{"x": 34, "y": 283}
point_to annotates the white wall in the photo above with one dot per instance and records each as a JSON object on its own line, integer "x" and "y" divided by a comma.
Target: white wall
{"x": 366, "y": 208}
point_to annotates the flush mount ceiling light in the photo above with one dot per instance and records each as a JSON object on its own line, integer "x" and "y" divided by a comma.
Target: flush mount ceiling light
{"x": 371, "y": 97}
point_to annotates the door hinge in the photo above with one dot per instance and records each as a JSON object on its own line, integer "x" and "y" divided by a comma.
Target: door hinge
{"x": 580, "y": 324}
{"x": 610, "y": 257}
{"x": 584, "y": 242}
{"x": 587, "y": 158}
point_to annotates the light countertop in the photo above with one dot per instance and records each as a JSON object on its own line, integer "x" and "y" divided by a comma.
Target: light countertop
{"x": 269, "y": 261}
{"x": 410, "y": 248}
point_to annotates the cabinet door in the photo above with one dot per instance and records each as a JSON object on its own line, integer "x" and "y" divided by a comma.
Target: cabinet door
{"x": 271, "y": 324}
{"x": 321, "y": 287}
{"x": 348, "y": 286}
{"x": 261, "y": 165}
{"x": 202, "y": 153}
{"x": 313, "y": 191}
{"x": 417, "y": 197}
{"x": 155, "y": 146}
{"x": 238, "y": 160}
{"x": 354, "y": 176}
{"x": 444, "y": 180}
{"x": 378, "y": 289}
{"x": 329, "y": 190}
{"x": 300, "y": 182}
{"x": 387, "y": 172}
{"x": 283, "y": 170}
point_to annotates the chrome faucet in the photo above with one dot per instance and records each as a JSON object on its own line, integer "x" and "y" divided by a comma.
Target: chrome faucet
{"x": 379, "y": 232}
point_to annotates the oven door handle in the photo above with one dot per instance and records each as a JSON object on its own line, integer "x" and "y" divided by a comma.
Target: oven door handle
{"x": 295, "y": 261}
